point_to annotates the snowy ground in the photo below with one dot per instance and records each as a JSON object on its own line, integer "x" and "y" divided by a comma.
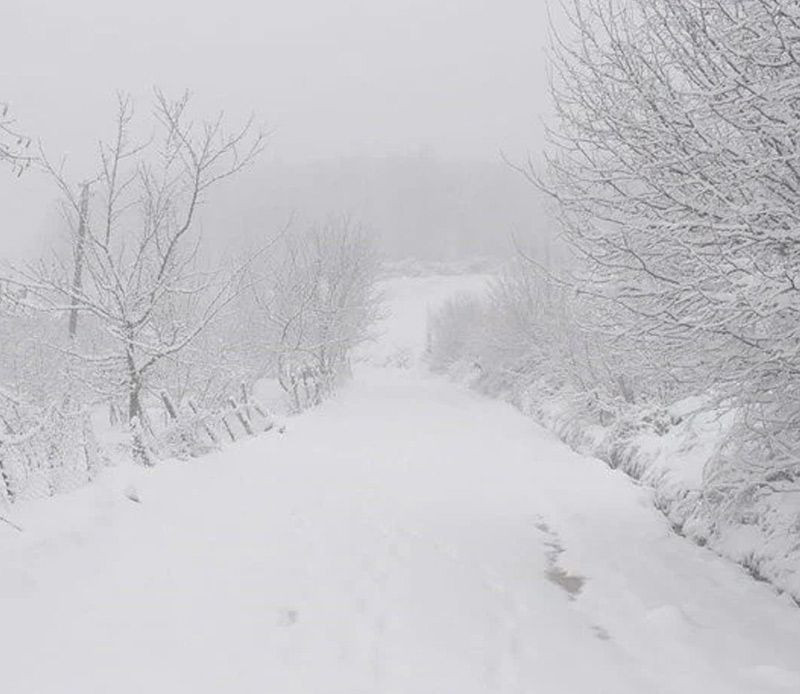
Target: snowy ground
{"x": 407, "y": 537}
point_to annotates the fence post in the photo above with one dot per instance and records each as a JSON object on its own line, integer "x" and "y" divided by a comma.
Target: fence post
{"x": 189, "y": 437}
{"x": 228, "y": 427}
{"x": 240, "y": 416}
{"x": 268, "y": 423}
{"x": 209, "y": 430}
{"x": 246, "y": 402}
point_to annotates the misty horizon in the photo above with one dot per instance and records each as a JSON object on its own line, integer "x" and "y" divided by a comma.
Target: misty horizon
{"x": 452, "y": 81}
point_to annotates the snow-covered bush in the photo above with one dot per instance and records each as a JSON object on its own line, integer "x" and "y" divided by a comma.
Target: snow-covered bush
{"x": 44, "y": 452}
{"x": 531, "y": 328}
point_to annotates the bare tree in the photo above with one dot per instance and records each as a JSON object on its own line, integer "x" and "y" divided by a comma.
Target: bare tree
{"x": 136, "y": 275}
{"x": 317, "y": 301}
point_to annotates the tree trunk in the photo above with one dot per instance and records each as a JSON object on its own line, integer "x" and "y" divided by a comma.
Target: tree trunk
{"x": 135, "y": 413}
{"x": 77, "y": 281}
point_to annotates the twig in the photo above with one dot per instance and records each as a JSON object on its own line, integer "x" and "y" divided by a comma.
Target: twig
{"x": 13, "y": 525}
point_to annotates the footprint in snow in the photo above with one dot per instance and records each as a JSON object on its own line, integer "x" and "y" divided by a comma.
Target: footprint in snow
{"x": 572, "y": 584}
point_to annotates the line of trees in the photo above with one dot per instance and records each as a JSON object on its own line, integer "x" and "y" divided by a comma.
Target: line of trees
{"x": 131, "y": 311}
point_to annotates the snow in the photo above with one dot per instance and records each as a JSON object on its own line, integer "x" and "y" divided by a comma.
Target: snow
{"x": 409, "y": 301}
{"x": 408, "y": 536}
{"x": 758, "y": 531}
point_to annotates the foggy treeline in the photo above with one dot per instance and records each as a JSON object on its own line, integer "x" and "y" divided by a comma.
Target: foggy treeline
{"x": 418, "y": 206}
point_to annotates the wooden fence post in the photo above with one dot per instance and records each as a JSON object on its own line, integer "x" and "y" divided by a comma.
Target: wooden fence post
{"x": 211, "y": 434}
{"x": 240, "y": 416}
{"x": 246, "y": 403}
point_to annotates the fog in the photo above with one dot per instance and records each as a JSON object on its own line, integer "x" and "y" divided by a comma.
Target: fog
{"x": 448, "y": 85}
{"x": 399, "y": 346}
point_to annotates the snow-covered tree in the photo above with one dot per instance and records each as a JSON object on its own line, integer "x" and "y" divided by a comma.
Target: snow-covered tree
{"x": 134, "y": 272}
{"x": 316, "y": 299}
{"x": 675, "y": 162}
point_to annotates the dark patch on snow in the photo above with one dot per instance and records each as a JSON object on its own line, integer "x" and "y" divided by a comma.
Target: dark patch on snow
{"x": 752, "y": 565}
{"x": 572, "y": 584}
{"x": 563, "y": 579}
{"x": 288, "y": 617}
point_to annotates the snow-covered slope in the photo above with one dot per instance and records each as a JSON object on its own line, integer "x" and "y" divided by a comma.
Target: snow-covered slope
{"x": 408, "y": 536}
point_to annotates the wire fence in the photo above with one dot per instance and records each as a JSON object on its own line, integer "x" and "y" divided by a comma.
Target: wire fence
{"x": 48, "y": 452}
{"x": 190, "y": 431}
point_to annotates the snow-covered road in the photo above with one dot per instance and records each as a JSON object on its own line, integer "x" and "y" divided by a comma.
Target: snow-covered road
{"x": 406, "y": 537}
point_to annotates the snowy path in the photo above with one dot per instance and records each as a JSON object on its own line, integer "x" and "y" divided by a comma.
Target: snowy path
{"x": 409, "y": 537}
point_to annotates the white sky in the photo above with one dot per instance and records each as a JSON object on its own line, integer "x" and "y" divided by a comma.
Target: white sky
{"x": 455, "y": 78}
